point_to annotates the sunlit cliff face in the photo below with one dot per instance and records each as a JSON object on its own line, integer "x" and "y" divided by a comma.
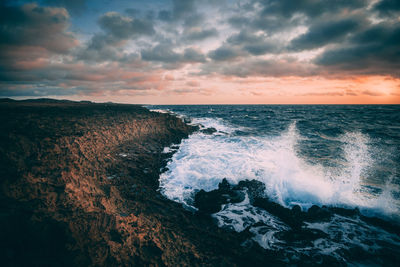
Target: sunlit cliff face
{"x": 202, "y": 51}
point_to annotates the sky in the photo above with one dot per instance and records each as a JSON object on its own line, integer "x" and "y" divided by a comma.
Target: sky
{"x": 202, "y": 51}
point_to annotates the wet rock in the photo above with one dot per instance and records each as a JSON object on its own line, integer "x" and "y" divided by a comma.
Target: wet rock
{"x": 316, "y": 213}
{"x": 288, "y": 216}
{"x": 224, "y": 186}
{"x": 301, "y": 237}
{"x": 345, "y": 212}
{"x": 210, "y": 202}
{"x": 254, "y": 188}
{"x": 210, "y": 130}
{"x": 296, "y": 209}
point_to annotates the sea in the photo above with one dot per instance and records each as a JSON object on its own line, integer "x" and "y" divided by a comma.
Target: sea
{"x": 345, "y": 156}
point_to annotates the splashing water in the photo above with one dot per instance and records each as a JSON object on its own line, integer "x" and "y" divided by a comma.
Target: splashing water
{"x": 302, "y": 160}
{"x": 203, "y": 161}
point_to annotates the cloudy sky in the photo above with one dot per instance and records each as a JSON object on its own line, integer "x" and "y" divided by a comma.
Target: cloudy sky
{"x": 202, "y": 51}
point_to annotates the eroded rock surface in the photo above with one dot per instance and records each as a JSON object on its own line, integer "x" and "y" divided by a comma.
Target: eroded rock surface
{"x": 296, "y": 234}
{"x": 79, "y": 188}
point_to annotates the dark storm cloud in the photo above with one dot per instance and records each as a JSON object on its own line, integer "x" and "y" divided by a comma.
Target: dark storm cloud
{"x": 31, "y": 25}
{"x": 224, "y": 53}
{"x": 165, "y": 15}
{"x": 354, "y": 44}
{"x": 388, "y": 7}
{"x": 194, "y": 20}
{"x": 248, "y": 38}
{"x": 321, "y": 34}
{"x": 182, "y": 8}
{"x": 193, "y": 55}
{"x": 183, "y": 11}
{"x": 161, "y": 53}
{"x": 198, "y": 35}
{"x": 310, "y": 8}
{"x": 100, "y": 48}
{"x": 259, "y": 67}
{"x": 253, "y": 44}
{"x": 374, "y": 50}
{"x": 166, "y": 54}
{"x": 117, "y": 29}
{"x": 239, "y": 21}
{"x": 269, "y": 24}
{"x": 273, "y": 16}
{"x": 30, "y": 36}
{"x": 122, "y": 27}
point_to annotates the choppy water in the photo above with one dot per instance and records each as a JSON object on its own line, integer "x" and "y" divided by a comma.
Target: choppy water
{"x": 334, "y": 155}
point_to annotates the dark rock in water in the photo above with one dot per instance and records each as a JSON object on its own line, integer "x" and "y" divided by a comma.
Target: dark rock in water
{"x": 296, "y": 209}
{"x": 210, "y": 202}
{"x": 187, "y": 120}
{"x": 301, "y": 236}
{"x": 293, "y": 218}
{"x": 346, "y": 212}
{"x": 298, "y": 234}
{"x": 316, "y": 213}
{"x": 388, "y": 226}
{"x": 210, "y": 130}
{"x": 224, "y": 185}
{"x": 255, "y": 189}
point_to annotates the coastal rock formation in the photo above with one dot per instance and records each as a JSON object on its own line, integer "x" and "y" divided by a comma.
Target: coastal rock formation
{"x": 210, "y": 202}
{"x": 79, "y": 188}
{"x": 296, "y": 234}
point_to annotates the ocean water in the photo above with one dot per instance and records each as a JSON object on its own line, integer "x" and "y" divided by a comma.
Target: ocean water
{"x": 335, "y": 155}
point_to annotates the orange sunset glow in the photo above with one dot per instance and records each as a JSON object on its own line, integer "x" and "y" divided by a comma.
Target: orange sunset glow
{"x": 199, "y": 133}
{"x": 202, "y": 52}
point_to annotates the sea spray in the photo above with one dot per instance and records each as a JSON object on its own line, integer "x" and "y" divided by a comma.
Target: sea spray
{"x": 204, "y": 160}
{"x": 304, "y": 158}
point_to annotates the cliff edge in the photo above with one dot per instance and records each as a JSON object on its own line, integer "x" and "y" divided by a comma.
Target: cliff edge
{"x": 79, "y": 187}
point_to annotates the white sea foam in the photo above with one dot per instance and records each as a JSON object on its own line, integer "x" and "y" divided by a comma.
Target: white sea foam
{"x": 344, "y": 232}
{"x": 239, "y": 216}
{"x": 160, "y": 110}
{"x": 215, "y": 123}
{"x": 202, "y": 161}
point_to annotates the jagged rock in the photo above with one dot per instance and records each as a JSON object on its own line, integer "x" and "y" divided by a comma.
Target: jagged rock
{"x": 210, "y": 130}
{"x": 224, "y": 186}
{"x": 254, "y": 188}
{"x": 316, "y": 213}
{"x": 291, "y": 218}
{"x": 210, "y": 202}
{"x": 59, "y": 207}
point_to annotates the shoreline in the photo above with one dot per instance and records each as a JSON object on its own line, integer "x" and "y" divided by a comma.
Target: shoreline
{"x": 79, "y": 187}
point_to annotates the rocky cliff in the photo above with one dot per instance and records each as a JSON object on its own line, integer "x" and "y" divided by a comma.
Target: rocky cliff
{"x": 79, "y": 188}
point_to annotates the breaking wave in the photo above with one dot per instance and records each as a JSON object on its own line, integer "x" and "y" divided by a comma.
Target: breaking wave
{"x": 202, "y": 161}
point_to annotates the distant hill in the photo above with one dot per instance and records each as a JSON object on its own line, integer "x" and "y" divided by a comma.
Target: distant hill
{"x": 43, "y": 100}
{"x": 4, "y": 100}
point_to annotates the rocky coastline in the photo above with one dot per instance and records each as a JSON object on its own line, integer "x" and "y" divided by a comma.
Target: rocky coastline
{"x": 79, "y": 187}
